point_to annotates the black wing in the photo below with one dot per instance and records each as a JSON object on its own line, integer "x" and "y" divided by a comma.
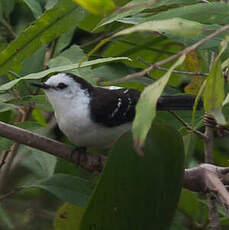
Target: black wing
{"x": 113, "y": 107}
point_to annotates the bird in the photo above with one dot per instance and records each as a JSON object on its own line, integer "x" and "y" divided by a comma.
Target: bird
{"x": 93, "y": 116}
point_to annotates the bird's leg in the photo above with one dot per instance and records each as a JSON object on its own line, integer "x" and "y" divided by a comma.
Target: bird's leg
{"x": 81, "y": 151}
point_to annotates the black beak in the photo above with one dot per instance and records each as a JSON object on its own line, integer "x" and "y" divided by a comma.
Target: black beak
{"x": 41, "y": 85}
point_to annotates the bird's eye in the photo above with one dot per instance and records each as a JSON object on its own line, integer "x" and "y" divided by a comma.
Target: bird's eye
{"x": 61, "y": 86}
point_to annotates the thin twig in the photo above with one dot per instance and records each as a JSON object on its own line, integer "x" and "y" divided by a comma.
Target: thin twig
{"x": 8, "y": 29}
{"x": 49, "y": 54}
{"x": 183, "y": 72}
{"x": 175, "y": 71}
{"x": 171, "y": 58}
{"x": 3, "y": 158}
{"x": 187, "y": 125}
{"x": 11, "y": 154}
{"x": 6, "y": 195}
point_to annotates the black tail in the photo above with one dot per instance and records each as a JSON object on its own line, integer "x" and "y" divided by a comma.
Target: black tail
{"x": 177, "y": 103}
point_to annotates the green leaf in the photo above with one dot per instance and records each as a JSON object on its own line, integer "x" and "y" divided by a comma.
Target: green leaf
{"x": 225, "y": 64}
{"x": 214, "y": 89}
{"x": 52, "y": 24}
{"x": 213, "y": 13}
{"x": 40, "y": 101}
{"x": 100, "y": 7}
{"x": 7, "y": 107}
{"x": 35, "y": 76}
{"x": 70, "y": 56}
{"x": 138, "y": 192}
{"x": 68, "y": 188}
{"x": 5, "y": 218}
{"x": 68, "y": 217}
{"x": 38, "y": 116}
{"x": 191, "y": 205}
{"x": 226, "y": 100}
{"x": 34, "y": 6}
{"x": 7, "y": 7}
{"x": 135, "y": 6}
{"x": 40, "y": 163}
{"x": 174, "y": 26}
{"x": 146, "y": 106}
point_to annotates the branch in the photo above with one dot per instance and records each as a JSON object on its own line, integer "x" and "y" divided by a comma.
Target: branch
{"x": 195, "y": 179}
{"x": 90, "y": 162}
{"x": 212, "y": 180}
{"x": 186, "y": 51}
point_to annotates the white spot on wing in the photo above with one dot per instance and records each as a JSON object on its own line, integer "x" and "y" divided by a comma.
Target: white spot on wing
{"x": 117, "y": 108}
{"x": 112, "y": 87}
{"x": 126, "y": 91}
{"x": 128, "y": 107}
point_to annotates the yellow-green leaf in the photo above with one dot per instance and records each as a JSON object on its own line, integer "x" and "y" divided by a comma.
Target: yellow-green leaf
{"x": 99, "y": 7}
{"x": 146, "y": 107}
{"x": 214, "y": 90}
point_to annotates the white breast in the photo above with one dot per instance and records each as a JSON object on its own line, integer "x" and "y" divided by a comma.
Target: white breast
{"x": 76, "y": 124}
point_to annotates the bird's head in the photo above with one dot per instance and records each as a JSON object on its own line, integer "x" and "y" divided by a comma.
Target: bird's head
{"x": 62, "y": 88}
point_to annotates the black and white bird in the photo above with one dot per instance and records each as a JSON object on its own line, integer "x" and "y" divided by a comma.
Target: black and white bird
{"x": 93, "y": 116}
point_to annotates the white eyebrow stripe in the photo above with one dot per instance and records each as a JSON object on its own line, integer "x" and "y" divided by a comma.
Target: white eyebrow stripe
{"x": 117, "y": 108}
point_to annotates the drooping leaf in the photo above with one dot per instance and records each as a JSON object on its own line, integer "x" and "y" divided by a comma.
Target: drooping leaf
{"x": 214, "y": 89}
{"x": 52, "y": 24}
{"x": 176, "y": 26}
{"x": 68, "y": 188}
{"x": 68, "y": 217}
{"x": 35, "y": 76}
{"x": 138, "y": 192}
{"x": 146, "y": 107}
{"x": 100, "y": 7}
{"x": 135, "y": 6}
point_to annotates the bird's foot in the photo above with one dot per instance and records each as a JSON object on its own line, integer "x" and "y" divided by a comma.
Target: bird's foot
{"x": 81, "y": 152}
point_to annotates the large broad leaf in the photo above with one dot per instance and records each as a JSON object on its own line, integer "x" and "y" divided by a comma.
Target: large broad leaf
{"x": 35, "y": 76}
{"x": 67, "y": 188}
{"x": 138, "y": 192}
{"x": 214, "y": 89}
{"x": 61, "y": 18}
{"x": 174, "y": 26}
{"x": 146, "y": 107}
